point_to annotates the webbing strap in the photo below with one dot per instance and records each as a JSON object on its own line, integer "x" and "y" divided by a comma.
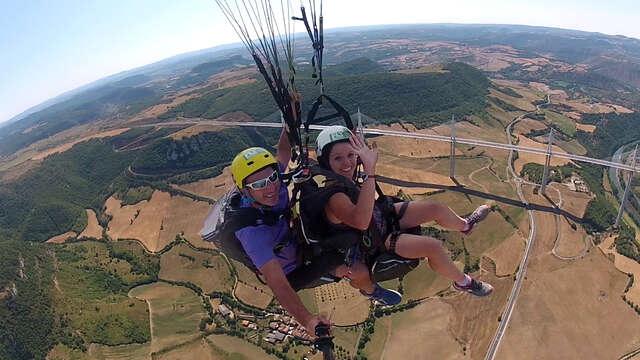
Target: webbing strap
{"x": 340, "y": 112}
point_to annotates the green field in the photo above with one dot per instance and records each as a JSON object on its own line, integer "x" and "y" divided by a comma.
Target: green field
{"x": 237, "y": 349}
{"x": 208, "y": 271}
{"x": 423, "y": 282}
{"x": 346, "y": 339}
{"x": 561, "y": 122}
{"x": 375, "y": 346}
{"x": 247, "y": 276}
{"x": 497, "y": 186}
{"x": 308, "y": 298}
{"x": 62, "y": 352}
{"x": 93, "y": 279}
{"x": 175, "y": 313}
{"x": 122, "y": 352}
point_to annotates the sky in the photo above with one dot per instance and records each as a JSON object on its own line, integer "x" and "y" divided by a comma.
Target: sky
{"x": 48, "y": 47}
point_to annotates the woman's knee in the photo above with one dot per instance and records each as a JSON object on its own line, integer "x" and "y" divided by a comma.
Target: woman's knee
{"x": 416, "y": 246}
{"x": 359, "y": 271}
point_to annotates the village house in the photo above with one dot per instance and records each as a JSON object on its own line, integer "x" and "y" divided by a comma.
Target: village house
{"x": 225, "y": 311}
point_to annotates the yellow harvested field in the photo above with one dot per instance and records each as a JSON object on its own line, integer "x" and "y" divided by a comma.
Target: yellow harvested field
{"x": 423, "y": 69}
{"x": 93, "y": 229}
{"x": 341, "y": 303}
{"x": 573, "y": 115}
{"x": 522, "y": 103}
{"x": 207, "y": 271}
{"x": 474, "y": 320}
{"x": 423, "y": 332}
{"x": 69, "y": 145}
{"x": 212, "y": 188}
{"x": 555, "y": 319}
{"x": 624, "y": 264}
{"x": 508, "y": 254}
{"x": 419, "y": 148}
{"x": 572, "y": 201}
{"x": 228, "y": 78}
{"x": 156, "y": 110}
{"x": 525, "y": 126}
{"x": 410, "y": 147}
{"x": 524, "y": 158}
{"x": 239, "y": 116}
{"x": 31, "y": 128}
{"x": 62, "y": 237}
{"x": 586, "y": 127}
{"x": 402, "y": 173}
{"x": 583, "y": 105}
{"x": 572, "y": 242}
{"x": 195, "y": 130}
{"x": 157, "y": 222}
{"x": 199, "y": 349}
{"x": 510, "y": 83}
{"x": 253, "y": 295}
{"x": 621, "y": 109}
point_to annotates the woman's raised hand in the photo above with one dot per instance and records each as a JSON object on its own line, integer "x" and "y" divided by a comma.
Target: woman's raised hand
{"x": 368, "y": 156}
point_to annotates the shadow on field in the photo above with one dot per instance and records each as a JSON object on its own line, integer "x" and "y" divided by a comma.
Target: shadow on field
{"x": 461, "y": 189}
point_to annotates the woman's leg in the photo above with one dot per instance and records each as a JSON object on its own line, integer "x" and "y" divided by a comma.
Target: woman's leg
{"x": 360, "y": 278}
{"x": 416, "y": 246}
{"x": 420, "y": 212}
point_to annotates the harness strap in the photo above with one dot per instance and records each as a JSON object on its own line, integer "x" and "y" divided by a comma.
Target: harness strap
{"x": 403, "y": 209}
{"x": 393, "y": 241}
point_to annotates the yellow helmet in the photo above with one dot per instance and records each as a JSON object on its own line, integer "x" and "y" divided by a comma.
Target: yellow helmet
{"x": 249, "y": 161}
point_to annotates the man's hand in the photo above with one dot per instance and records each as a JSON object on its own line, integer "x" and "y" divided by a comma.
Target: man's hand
{"x": 311, "y": 324}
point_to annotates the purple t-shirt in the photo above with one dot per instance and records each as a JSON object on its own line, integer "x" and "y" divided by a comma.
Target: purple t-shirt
{"x": 258, "y": 241}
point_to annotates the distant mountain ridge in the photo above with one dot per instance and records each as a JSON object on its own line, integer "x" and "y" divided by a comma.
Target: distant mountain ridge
{"x": 612, "y": 62}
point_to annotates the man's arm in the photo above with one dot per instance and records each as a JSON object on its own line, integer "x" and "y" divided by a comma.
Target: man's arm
{"x": 287, "y": 297}
{"x": 284, "y": 148}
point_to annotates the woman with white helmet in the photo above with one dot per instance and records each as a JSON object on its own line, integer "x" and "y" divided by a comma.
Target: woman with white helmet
{"x": 338, "y": 150}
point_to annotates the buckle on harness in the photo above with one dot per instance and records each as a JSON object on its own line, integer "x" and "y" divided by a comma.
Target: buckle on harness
{"x": 301, "y": 175}
{"x": 351, "y": 264}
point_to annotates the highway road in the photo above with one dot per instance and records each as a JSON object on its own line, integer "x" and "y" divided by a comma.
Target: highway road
{"x": 515, "y": 290}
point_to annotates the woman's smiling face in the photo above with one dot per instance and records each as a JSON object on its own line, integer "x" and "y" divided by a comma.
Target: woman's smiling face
{"x": 343, "y": 159}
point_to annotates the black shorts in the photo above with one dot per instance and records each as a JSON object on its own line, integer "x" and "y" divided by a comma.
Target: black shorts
{"x": 318, "y": 272}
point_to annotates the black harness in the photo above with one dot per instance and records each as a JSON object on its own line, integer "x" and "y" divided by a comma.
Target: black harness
{"x": 367, "y": 245}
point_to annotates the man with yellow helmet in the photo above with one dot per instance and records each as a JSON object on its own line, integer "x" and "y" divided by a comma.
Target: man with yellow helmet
{"x": 272, "y": 248}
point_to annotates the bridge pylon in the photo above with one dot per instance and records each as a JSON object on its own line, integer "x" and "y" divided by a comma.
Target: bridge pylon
{"x": 545, "y": 175}
{"x": 452, "y": 153}
{"x": 627, "y": 188}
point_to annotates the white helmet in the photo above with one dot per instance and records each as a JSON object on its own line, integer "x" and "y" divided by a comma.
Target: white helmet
{"x": 330, "y": 135}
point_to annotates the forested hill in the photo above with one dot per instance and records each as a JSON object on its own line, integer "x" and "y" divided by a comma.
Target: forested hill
{"x": 420, "y": 98}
